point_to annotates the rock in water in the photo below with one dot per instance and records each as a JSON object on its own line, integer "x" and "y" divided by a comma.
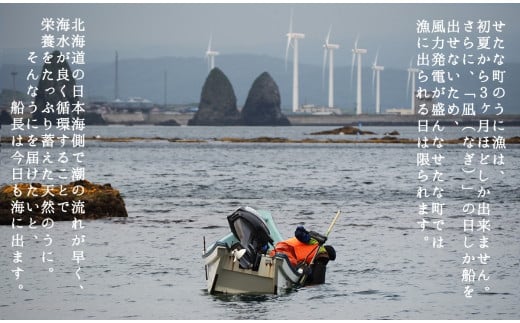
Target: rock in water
{"x": 262, "y": 106}
{"x": 218, "y": 103}
{"x": 392, "y": 133}
{"x": 346, "y": 130}
{"x": 59, "y": 202}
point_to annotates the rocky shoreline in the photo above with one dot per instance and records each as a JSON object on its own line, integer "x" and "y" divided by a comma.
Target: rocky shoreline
{"x": 31, "y": 203}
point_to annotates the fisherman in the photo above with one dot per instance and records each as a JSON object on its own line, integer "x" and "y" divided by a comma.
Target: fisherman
{"x": 300, "y": 251}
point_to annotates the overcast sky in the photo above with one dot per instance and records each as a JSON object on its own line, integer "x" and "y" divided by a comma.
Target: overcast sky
{"x": 155, "y": 30}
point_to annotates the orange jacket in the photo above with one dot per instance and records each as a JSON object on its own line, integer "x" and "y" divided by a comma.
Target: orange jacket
{"x": 295, "y": 250}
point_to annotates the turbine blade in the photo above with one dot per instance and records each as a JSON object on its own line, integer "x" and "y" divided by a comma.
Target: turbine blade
{"x": 353, "y": 60}
{"x": 377, "y": 55}
{"x": 328, "y": 35}
{"x": 290, "y": 21}
{"x": 209, "y": 43}
{"x": 288, "y": 39}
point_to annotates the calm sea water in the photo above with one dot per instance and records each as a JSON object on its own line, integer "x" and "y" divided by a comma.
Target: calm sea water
{"x": 149, "y": 266}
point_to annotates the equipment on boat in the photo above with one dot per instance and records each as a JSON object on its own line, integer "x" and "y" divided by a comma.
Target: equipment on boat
{"x": 321, "y": 241}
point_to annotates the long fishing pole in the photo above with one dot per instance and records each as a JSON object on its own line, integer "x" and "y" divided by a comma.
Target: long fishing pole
{"x": 204, "y": 252}
{"x": 304, "y": 276}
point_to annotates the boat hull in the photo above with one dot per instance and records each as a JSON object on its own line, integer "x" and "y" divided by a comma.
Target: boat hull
{"x": 275, "y": 275}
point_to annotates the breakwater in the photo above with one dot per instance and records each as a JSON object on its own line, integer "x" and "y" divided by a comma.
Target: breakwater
{"x": 318, "y": 120}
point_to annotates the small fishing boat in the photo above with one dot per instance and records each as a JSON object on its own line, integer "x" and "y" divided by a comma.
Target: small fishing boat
{"x": 245, "y": 261}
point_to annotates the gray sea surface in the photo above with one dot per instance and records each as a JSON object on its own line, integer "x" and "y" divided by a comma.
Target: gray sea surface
{"x": 149, "y": 265}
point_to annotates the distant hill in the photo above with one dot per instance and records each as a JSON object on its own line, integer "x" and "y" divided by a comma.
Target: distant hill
{"x": 145, "y": 78}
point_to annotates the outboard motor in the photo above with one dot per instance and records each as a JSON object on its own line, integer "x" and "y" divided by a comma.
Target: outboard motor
{"x": 253, "y": 234}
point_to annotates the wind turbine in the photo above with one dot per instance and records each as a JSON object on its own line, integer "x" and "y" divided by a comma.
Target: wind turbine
{"x": 357, "y": 52}
{"x": 328, "y": 47}
{"x": 292, "y": 39}
{"x": 411, "y": 72}
{"x": 210, "y": 55}
{"x": 376, "y": 69}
